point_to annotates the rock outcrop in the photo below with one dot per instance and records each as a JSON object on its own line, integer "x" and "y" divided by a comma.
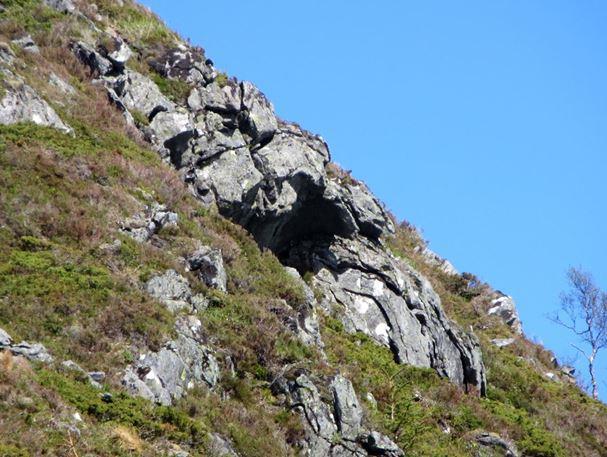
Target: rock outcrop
{"x": 142, "y": 226}
{"x": 396, "y": 306}
{"x": 32, "y": 351}
{"x": 180, "y": 365}
{"x": 173, "y": 290}
{"x": 502, "y": 306}
{"x": 207, "y": 264}
{"x": 271, "y": 177}
{"x": 21, "y": 103}
{"x": 335, "y": 429}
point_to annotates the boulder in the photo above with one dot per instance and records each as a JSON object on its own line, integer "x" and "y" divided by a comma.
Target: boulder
{"x": 377, "y": 444}
{"x": 5, "y": 339}
{"x": 494, "y": 441}
{"x": 434, "y": 259}
{"x": 89, "y": 56}
{"x": 60, "y": 84}
{"x": 21, "y": 103}
{"x": 307, "y": 326}
{"x": 119, "y": 55}
{"x": 207, "y": 263}
{"x": 220, "y": 447}
{"x": 172, "y": 289}
{"x": 32, "y": 351}
{"x": 172, "y": 126}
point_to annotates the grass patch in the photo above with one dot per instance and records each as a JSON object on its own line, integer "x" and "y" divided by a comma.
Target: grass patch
{"x": 174, "y": 89}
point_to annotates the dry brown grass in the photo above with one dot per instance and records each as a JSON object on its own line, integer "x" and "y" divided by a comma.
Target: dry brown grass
{"x": 128, "y": 439}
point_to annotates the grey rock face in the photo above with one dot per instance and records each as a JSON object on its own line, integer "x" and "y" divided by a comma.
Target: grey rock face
{"x": 187, "y": 64}
{"x": 138, "y": 92}
{"x": 503, "y": 307}
{"x": 207, "y": 263}
{"x": 434, "y": 259}
{"x": 258, "y": 114}
{"x": 348, "y": 412}
{"x": 336, "y": 430}
{"x": 21, "y": 103}
{"x": 144, "y": 225}
{"x": 183, "y": 363}
{"x": 220, "y": 447}
{"x": 392, "y": 303}
{"x": 60, "y": 84}
{"x": 494, "y": 441}
{"x": 270, "y": 177}
{"x": 172, "y": 289}
{"x": 214, "y": 98}
{"x": 307, "y": 326}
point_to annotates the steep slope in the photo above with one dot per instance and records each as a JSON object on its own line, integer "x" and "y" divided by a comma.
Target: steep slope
{"x": 156, "y": 221}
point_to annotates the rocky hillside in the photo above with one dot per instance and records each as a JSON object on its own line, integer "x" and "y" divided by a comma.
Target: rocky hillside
{"x": 183, "y": 273}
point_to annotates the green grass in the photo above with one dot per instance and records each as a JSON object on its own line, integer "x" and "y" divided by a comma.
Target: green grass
{"x": 28, "y": 16}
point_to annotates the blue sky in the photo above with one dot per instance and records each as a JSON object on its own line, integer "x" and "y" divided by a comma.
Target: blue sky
{"x": 482, "y": 123}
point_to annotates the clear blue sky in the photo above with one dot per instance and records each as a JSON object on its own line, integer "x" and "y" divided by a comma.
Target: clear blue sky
{"x": 482, "y": 122}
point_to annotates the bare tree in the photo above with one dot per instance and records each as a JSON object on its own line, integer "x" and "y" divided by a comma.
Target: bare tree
{"x": 584, "y": 312}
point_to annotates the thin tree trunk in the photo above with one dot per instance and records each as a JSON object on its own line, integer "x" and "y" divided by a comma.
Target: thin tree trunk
{"x": 595, "y": 387}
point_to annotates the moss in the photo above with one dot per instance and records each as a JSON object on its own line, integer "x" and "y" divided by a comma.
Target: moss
{"x": 174, "y": 89}
{"x": 222, "y": 79}
{"x": 140, "y": 119}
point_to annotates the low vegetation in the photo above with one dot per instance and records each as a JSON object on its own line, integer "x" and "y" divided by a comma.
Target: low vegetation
{"x": 70, "y": 279}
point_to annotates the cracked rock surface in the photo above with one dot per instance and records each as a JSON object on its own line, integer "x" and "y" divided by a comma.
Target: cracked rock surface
{"x": 271, "y": 177}
{"x": 335, "y": 428}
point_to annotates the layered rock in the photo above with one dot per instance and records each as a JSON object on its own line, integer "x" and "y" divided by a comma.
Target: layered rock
{"x": 385, "y": 298}
{"x": 502, "y": 306}
{"x": 335, "y": 429}
{"x": 181, "y": 364}
{"x": 271, "y": 177}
